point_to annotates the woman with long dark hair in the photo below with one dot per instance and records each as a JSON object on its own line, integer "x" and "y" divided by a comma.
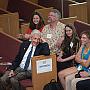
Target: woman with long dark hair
{"x": 36, "y": 22}
{"x": 68, "y": 50}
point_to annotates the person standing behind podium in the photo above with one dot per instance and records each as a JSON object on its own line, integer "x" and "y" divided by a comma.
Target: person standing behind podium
{"x": 17, "y": 71}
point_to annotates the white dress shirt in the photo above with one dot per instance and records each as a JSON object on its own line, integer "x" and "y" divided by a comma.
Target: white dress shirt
{"x": 22, "y": 64}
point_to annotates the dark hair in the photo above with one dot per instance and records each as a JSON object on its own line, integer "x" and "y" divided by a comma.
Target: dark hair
{"x": 40, "y": 24}
{"x": 67, "y": 39}
{"x": 74, "y": 34}
{"x": 87, "y": 33}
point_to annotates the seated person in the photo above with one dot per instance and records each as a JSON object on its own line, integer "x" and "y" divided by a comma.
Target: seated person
{"x": 21, "y": 66}
{"x": 68, "y": 49}
{"x": 54, "y": 30}
{"x": 36, "y": 22}
{"x": 83, "y": 58}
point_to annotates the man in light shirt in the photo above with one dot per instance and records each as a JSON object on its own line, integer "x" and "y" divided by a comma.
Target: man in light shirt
{"x": 17, "y": 70}
{"x": 53, "y": 32}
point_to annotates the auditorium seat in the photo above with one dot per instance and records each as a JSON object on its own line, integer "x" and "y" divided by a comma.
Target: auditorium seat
{"x": 8, "y": 49}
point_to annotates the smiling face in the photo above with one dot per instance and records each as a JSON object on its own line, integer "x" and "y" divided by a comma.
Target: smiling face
{"x": 35, "y": 39}
{"x": 69, "y": 32}
{"x": 36, "y": 19}
{"x": 52, "y": 17}
{"x": 84, "y": 39}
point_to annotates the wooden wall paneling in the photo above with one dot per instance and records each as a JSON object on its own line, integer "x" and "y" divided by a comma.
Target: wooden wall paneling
{"x": 4, "y": 23}
{"x": 88, "y": 10}
{"x": 79, "y": 10}
{"x": 72, "y": 2}
{"x": 3, "y": 4}
{"x": 58, "y": 4}
{"x": 69, "y": 20}
{"x": 1, "y": 29}
{"x": 81, "y": 26}
{"x": 10, "y": 23}
{"x": 44, "y": 13}
{"x": 14, "y": 24}
{"x": 23, "y": 7}
{"x": 34, "y": 1}
{"x": 2, "y": 11}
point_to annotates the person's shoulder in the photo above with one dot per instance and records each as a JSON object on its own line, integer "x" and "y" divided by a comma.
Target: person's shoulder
{"x": 28, "y": 31}
{"x": 60, "y": 23}
{"x": 46, "y": 26}
{"x": 43, "y": 44}
{"x": 77, "y": 39}
{"x": 26, "y": 42}
{"x": 45, "y": 29}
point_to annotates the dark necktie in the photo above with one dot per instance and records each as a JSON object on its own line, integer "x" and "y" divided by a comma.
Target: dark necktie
{"x": 28, "y": 59}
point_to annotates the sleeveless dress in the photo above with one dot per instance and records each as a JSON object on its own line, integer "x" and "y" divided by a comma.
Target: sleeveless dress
{"x": 84, "y": 56}
{"x": 67, "y": 52}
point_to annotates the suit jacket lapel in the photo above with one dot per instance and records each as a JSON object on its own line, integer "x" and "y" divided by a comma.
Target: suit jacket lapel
{"x": 26, "y": 46}
{"x": 37, "y": 51}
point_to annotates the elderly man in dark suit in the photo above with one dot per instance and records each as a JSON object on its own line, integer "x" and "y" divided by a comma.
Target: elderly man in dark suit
{"x": 21, "y": 66}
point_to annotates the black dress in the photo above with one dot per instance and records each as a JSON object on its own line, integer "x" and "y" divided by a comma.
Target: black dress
{"x": 67, "y": 52}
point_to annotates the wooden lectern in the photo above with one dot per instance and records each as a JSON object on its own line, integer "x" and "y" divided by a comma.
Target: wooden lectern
{"x": 43, "y": 70}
